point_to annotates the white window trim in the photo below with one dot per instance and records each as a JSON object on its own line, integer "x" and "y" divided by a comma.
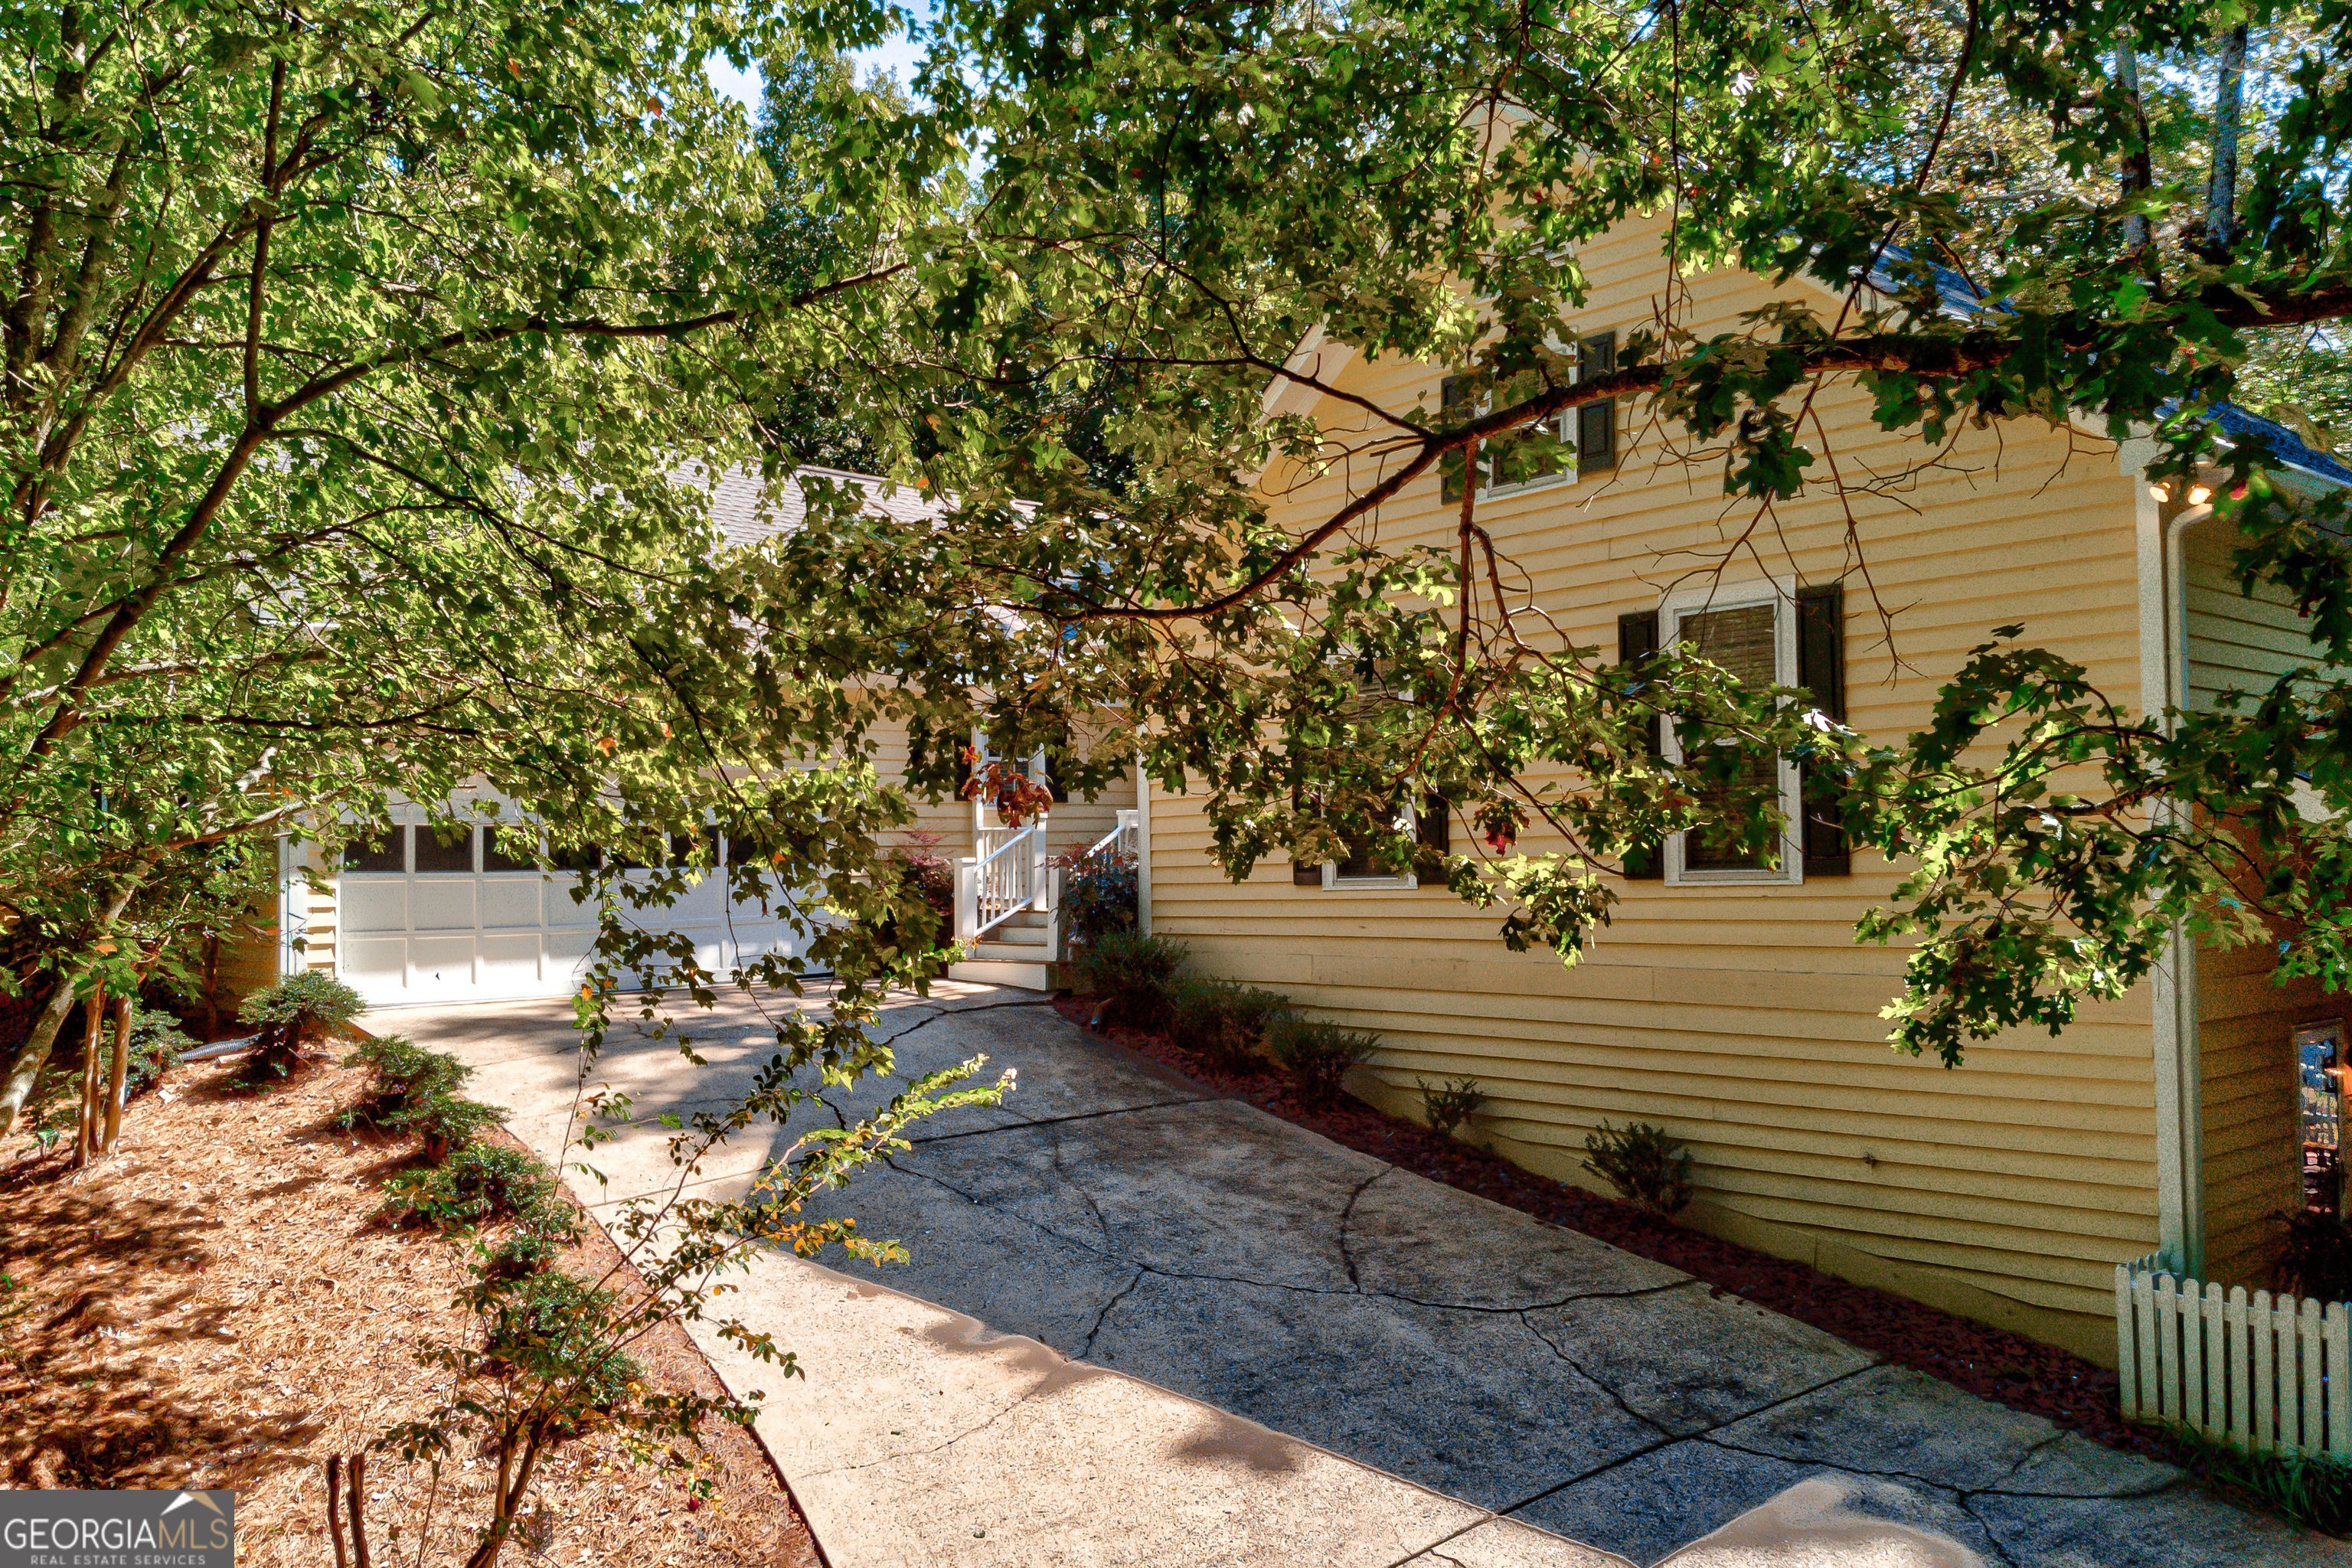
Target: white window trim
{"x": 1781, "y": 595}
{"x": 1408, "y": 822}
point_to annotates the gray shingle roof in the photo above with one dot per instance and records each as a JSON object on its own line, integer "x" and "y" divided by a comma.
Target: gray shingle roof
{"x": 1962, "y": 297}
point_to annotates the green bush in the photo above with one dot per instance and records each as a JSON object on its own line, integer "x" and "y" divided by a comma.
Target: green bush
{"x": 291, "y": 1016}
{"x": 400, "y": 1070}
{"x": 1134, "y": 974}
{"x": 528, "y": 1248}
{"x": 480, "y": 1183}
{"x": 1224, "y": 1021}
{"x": 1319, "y": 1055}
{"x": 157, "y": 1043}
{"x": 551, "y": 1329}
{"x": 1099, "y": 895}
{"x": 413, "y": 1090}
{"x": 1647, "y": 1165}
{"x": 1450, "y": 1102}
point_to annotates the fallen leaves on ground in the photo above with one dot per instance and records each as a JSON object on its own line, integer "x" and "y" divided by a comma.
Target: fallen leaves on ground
{"x": 214, "y": 1306}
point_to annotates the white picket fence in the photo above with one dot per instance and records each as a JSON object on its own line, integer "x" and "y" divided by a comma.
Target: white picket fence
{"x": 2255, "y": 1370}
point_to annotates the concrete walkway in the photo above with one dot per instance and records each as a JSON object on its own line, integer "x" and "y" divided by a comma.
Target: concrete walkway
{"x": 1470, "y": 1385}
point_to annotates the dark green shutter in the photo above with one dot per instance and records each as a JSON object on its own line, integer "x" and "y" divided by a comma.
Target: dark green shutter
{"x": 1821, "y": 670}
{"x": 1596, "y": 423}
{"x": 1637, "y": 637}
{"x": 1451, "y": 466}
{"x": 1305, "y": 875}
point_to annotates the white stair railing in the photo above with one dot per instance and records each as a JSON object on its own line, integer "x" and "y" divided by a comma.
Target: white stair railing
{"x": 1125, "y": 837}
{"x": 1005, "y": 877}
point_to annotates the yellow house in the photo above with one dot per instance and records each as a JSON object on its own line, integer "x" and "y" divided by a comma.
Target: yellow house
{"x": 1730, "y": 1003}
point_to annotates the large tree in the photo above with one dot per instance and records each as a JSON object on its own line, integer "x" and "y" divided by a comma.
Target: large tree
{"x": 361, "y": 370}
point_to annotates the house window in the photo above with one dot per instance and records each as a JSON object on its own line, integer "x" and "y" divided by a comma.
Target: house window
{"x": 1750, "y": 632}
{"x": 1429, "y": 827}
{"x": 1585, "y": 438}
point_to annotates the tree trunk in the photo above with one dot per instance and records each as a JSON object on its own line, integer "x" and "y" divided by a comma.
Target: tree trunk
{"x": 36, "y": 1053}
{"x": 2229, "y": 98}
{"x": 118, "y": 1071}
{"x": 2139, "y": 174}
{"x": 85, "y": 1129}
{"x": 212, "y": 985}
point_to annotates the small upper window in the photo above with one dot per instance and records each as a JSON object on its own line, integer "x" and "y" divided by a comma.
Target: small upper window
{"x": 1570, "y": 445}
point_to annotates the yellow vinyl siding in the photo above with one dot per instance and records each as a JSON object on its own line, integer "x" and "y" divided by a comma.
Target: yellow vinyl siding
{"x": 2252, "y": 1123}
{"x": 1744, "y": 1017}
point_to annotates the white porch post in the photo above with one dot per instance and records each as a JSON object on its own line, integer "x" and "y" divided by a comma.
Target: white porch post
{"x": 1041, "y": 891}
{"x": 967, "y": 900}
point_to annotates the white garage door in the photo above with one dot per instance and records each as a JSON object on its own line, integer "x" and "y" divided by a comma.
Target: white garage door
{"x": 423, "y": 921}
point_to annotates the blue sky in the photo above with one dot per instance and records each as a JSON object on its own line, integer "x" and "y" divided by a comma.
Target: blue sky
{"x": 898, "y": 57}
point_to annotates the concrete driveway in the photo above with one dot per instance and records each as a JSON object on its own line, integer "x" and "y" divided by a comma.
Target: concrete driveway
{"x": 1470, "y": 1385}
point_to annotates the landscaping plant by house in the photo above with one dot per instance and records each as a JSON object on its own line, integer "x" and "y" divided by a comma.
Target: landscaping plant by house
{"x": 1318, "y": 1053}
{"x": 1647, "y": 1165}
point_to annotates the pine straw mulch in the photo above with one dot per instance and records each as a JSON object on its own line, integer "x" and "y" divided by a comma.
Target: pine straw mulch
{"x": 1993, "y": 1364}
{"x": 212, "y": 1306}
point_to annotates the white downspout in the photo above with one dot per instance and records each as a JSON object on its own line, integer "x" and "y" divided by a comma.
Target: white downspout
{"x": 1142, "y": 849}
{"x": 2179, "y": 1066}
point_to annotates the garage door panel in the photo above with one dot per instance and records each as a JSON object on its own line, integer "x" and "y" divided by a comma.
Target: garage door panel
{"x": 373, "y": 903}
{"x": 562, "y": 911}
{"x": 449, "y": 937}
{"x": 442, "y": 904}
{"x": 510, "y": 901}
{"x": 442, "y": 967}
{"x": 376, "y": 968}
{"x": 511, "y": 965}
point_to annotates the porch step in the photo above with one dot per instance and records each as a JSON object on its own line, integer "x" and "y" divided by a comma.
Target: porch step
{"x": 1011, "y": 935}
{"x": 999, "y": 972}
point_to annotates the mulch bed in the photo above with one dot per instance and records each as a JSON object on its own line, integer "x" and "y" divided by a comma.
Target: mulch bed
{"x": 1993, "y": 1364}
{"x": 212, "y": 1305}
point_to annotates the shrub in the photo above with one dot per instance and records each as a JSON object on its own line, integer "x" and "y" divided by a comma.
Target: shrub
{"x": 1225, "y": 1022}
{"x": 400, "y": 1070}
{"x": 932, "y": 878}
{"x": 1647, "y": 1165}
{"x": 2316, "y": 1260}
{"x": 1450, "y": 1102}
{"x": 1098, "y": 896}
{"x": 479, "y": 1182}
{"x": 1319, "y": 1055}
{"x": 1135, "y": 975}
{"x": 157, "y": 1043}
{"x": 291, "y": 1016}
{"x": 553, "y": 1329}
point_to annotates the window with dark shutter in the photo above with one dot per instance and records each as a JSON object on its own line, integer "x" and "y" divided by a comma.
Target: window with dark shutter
{"x": 1821, "y": 670}
{"x": 1451, "y": 466}
{"x": 1637, "y": 637}
{"x": 1596, "y": 423}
